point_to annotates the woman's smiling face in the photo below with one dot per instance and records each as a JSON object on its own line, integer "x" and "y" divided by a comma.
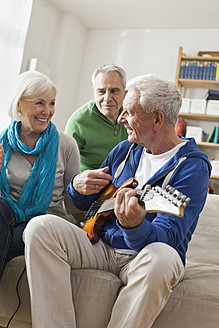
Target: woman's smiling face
{"x": 37, "y": 114}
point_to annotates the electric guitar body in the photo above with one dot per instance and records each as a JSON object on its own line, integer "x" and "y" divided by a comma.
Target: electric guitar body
{"x": 96, "y": 219}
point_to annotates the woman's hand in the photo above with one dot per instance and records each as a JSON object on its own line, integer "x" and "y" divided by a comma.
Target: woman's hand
{"x": 91, "y": 181}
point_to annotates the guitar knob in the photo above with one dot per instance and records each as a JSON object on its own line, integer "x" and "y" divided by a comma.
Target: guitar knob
{"x": 134, "y": 184}
{"x": 82, "y": 224}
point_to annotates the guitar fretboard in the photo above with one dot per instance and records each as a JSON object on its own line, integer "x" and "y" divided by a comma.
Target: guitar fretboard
{"x": 168, "y": 200}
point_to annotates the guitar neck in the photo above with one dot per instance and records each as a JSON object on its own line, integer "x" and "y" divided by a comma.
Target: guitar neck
{"x": 157, "y": 199}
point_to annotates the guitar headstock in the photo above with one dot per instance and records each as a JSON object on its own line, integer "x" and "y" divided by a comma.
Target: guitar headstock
{"x": 168, "y": 200}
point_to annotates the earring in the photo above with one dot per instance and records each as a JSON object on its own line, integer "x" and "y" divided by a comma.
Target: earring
{"x": 19, "y": 113}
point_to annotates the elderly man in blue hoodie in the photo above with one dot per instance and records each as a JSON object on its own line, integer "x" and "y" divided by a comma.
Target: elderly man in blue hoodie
{"x": 146, "y": 250}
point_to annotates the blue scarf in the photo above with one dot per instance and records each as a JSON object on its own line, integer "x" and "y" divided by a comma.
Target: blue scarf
{"x": 36, "y": 194}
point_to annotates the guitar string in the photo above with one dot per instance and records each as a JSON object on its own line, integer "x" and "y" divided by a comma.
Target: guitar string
{"x": 174, "y": 198}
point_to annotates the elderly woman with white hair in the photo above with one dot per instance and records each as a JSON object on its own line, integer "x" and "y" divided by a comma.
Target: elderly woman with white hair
{"x": 37, "y": 162}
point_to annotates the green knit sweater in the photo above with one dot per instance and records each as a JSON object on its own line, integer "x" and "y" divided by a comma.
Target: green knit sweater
{"x": 95, "y": 135}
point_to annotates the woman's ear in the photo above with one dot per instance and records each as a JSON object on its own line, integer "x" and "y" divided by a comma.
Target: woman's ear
{"x": 19, "y": 108}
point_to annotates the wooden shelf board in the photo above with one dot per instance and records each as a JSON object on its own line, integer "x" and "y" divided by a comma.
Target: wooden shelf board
{"x": 208, "y": 144}
{"x": 204, "y": 84}
{"x": 200, "y": 58}
{"x": 214, "y": 177}
{"x": 200, "y": 117}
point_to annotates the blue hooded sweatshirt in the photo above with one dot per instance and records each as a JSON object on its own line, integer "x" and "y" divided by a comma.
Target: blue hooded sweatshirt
{"x": 191, "y": 178}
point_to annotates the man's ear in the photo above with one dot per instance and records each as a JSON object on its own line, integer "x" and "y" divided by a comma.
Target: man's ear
{"x": 158, "y": 119}
{"x": 125, "y": 94}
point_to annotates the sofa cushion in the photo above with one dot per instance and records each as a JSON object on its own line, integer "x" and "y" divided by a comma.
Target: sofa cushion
{"x": 8, "y": 296}
{"x": 94, "y": 293}
{"x": 203, "y": 247}
{"x": 195, "y": 301}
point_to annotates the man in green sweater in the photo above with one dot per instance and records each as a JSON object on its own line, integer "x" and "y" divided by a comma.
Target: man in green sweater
{"x": 94, "y": 126}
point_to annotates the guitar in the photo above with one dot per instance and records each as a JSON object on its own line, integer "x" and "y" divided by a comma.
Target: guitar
{"x": 157, "y": 199}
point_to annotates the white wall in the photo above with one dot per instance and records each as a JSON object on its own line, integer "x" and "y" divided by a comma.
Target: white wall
{"x": 14, "y": 20}
{"x": 69, "y": 53}
{"x": 141, "y": 52}
{"x": 57, "y": 40}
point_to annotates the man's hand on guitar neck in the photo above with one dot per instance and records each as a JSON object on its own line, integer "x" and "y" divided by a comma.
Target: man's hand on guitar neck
{"x": 128, "y": 210}
{"x": 91, "y": 181}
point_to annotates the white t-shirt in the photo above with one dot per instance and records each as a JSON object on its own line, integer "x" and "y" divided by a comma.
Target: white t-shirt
{"x": 149, "y": 164}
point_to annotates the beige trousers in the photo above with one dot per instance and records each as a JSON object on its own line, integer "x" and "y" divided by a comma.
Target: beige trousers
{"x": 53, "y": 246}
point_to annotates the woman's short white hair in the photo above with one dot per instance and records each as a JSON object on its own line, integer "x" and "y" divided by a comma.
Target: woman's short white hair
{"x": 30, "y": 85}
{"x": 158, "y": 94}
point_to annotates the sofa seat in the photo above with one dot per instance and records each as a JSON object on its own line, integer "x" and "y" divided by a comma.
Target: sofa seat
{"x": 194, "y": 302}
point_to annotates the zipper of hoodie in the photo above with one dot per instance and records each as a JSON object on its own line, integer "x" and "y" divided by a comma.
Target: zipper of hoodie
{"x": 115, "y": 130}
{"x": 113, "y": 234}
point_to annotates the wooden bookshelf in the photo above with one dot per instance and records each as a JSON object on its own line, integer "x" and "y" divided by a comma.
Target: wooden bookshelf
{"x": 198, "y": 83}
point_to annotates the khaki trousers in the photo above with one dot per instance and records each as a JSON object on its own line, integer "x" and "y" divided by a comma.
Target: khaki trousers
{"x": 53, "y": 246}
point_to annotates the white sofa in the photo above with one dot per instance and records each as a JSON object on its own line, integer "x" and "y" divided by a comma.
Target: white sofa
{"x": 194, "y": 302}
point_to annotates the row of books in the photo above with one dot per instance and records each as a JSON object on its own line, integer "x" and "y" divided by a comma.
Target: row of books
{"x": 214, "y": 135}
{"x": 199, "y": 70}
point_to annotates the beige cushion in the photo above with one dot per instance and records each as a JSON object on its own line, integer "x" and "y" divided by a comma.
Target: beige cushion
{"x": 194, "y": 303}
{"x": 204, "y": 247}
{"x": 94, "y": 294}
{"x": 8, "y": 295}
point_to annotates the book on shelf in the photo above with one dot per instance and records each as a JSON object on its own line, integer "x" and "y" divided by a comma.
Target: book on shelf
{"x": 213, "y": 95}
{"x": 205, "y": 71}
{"x": 217, "y": 73}
{"x": 216, "y": 135}
{"x": 213, "y": 135}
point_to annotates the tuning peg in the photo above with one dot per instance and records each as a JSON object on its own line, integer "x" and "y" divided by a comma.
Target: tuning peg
{"x": 170, "y": 189}
{"x": 180, "y": 195}
{"x": 187, "y": 200}
{"x": 183, "y": 198}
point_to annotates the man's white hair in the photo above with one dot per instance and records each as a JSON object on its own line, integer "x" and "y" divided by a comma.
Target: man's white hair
{"x": 158, "y": 94}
